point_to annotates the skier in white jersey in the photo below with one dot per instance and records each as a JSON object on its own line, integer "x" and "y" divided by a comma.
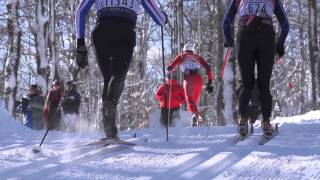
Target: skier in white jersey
{"x": 256, "y": 44}
{"x": 114, "y": 39}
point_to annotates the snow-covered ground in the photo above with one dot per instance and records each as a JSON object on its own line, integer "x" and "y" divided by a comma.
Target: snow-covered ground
{"x": 293, "y": 154}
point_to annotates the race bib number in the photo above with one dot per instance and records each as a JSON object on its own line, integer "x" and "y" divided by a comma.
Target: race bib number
{"x": 189, "y": 65}
{"x": 250, "y": 7}
{"x": 130, "y": 4}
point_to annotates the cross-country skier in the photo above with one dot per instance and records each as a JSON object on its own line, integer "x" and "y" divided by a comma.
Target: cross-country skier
{"x": 114, "y": 39}
{"x": 256, "y": 45}
{"x": 175, "y": 97}
{"x": 190, "y": 64}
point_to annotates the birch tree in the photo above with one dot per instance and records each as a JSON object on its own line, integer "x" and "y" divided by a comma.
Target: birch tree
{"x": 13, "y": 58}
{"x": 41, "y": 47}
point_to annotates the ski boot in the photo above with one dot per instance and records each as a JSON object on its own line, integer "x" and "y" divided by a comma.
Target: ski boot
{"x": 109, "y": 120}
{"x": 194, "y": 120}
{"x": 267, "y": 128}
{"x": 243, "y": 126}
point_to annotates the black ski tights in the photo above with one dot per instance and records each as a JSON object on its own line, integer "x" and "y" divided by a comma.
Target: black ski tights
{"x": 256, "y": 48}
{"x": 114, "y": 40}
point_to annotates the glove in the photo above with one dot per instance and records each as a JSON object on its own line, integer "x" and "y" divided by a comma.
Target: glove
{"x": 209, "y": 87}
{"x": 280, "y": 50}
{"x": 228, "y": 44}
{"x": 81, "y": 54}
{"x": 169, "y": 68}
{"x": 166, "y": 21}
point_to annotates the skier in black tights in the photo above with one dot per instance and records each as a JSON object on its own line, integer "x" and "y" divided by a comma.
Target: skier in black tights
{"x": 114, "y": 39}
{"x": 256, "y": 45}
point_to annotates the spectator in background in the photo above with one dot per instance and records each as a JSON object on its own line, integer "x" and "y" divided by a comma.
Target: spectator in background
{"x": 175, "y": 97}
{"x": 51, "y": 112}
{"x": 36, "y": 103}
{"x": 32, "y": 108}
{"x": 71, "y": 107}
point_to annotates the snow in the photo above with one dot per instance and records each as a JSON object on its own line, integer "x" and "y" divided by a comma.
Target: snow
{"x": 189, "y": 154}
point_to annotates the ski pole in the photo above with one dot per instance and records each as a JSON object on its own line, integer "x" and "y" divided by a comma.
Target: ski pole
{"x": 220, "y": 78}
{"x": 164, "y": 83}
{"x": 51, "y": 119}
{"x": 225, "y": 61}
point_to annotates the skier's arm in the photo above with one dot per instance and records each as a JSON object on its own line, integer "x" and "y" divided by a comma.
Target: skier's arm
{"x": 230, "y": 13}
{"x": 81, "y": 13}
{"x": 159, "y": 94}
{"x": 182, "y": 95}
{"x": 176, "y": 62}
{"x": 283, "y": 20}
{"x": 207, "y": 67}
{"x": 152, "y": 9}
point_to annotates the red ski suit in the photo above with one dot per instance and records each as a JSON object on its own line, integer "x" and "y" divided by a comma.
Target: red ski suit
{"x": 190, "y": 64}
{"x": 176, "y": 98}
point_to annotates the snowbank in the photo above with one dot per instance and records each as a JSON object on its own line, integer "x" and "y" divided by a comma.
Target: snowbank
{"x": 10, "y": 126}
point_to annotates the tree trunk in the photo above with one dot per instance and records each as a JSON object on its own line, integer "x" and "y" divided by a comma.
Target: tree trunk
{"x": 220, "y": 103}
{"x": 12, "y": 63}
{"x": 43, "y": 70}
{"x": 304, "y": 59}
{"x": 312, "y": 33}
{"x": 177, "y": 36}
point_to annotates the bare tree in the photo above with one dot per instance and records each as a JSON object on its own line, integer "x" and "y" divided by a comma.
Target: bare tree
{"x": 12, "y": 63}
{"x": 41, "y": 46}
{"x": 313, "y": 47}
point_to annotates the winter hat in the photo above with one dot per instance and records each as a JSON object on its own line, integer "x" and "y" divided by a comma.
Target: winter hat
{"x": 188, "y": 47}
{"x": 172, "y": 75}
{"x": 56, "y": 83}
{"x": 33, "y": 87}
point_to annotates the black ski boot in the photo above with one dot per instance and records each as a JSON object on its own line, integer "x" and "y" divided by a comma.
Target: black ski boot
{"x": 109, "y": 120}
{"x": 243, "y": 126}
{"x": 267, "y": 128}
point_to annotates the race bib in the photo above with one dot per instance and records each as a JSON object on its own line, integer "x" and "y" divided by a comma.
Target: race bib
{"x": 189, "y": 64}
{"x": 133, "y": 5}
{"x": 254, "y": 7}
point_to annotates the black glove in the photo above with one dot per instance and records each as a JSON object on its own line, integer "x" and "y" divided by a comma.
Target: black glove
{"x": 209, "y": 87}
{"x": 228, "y": 44}
{"x": 81, "y": 54}
{"x": 169, "y": 68}
{"x": 166, "y": 21}
{"x": 280, "y": 50}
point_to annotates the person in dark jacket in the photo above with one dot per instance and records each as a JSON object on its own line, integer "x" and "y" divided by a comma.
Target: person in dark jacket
{"x": 32, "y": 107}
{"x": 256, "y": 45}
{"x": 51, "y": 111}
{"x": 70, "y": 107}
{"x": 114, "y": 39}
{"x": 175, "y": 97}
{"x": 36, "y": 101}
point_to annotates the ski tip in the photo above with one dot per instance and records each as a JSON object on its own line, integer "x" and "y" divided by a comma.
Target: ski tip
{"x": 36, "y": 149}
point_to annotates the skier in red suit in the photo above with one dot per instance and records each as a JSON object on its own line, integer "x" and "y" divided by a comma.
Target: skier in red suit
{"x": 175, "y": 97}
{"x": 190, "y": 64}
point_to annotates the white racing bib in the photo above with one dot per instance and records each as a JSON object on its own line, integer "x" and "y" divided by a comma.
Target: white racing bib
{"x": 189, "y": 64}
{"x": 133, "y": 5}
{"x": 254, "y": 7}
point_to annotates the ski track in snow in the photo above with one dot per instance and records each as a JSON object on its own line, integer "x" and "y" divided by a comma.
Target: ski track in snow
{"x": 293, "y": 154}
